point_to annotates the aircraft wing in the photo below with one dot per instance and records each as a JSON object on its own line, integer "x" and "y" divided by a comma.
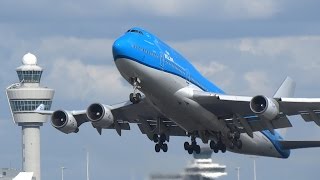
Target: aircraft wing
{"x": 149, "y": 120}
{"x": 146, "y": 117}
{"x": 236, "y": 110}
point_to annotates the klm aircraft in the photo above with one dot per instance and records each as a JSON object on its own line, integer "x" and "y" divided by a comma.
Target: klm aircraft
{"x": 177, "y": 100}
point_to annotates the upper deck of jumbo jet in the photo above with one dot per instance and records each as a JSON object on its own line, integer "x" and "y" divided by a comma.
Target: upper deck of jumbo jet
{"x": 133, "y": 38}
{"x": 141, "y": 46}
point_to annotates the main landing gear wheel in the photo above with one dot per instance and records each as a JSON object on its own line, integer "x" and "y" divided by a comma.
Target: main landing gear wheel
{"x": 160, "y": 140}
{"x": 193, "y": 147}
{"x": 157, "y": 148}
{"x": 155, "y": 138}
{"x": 165, "y": 147}
{"x": 218, "y": 146}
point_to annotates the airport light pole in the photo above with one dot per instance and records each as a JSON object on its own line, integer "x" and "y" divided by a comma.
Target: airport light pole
{"x": 87, "y": 165}
{"x": 238, "y": 172}
{"x": 62, "y": 172}
{"x": 254, "y": 167}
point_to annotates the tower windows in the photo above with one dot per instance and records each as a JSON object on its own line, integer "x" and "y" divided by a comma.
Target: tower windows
{"x": 29, "y": 76}
{"x": 29, "y": 105}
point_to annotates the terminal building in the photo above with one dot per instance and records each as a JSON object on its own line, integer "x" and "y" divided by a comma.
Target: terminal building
{"x": 200, "y": 168}
{"x": 8, "y": 173}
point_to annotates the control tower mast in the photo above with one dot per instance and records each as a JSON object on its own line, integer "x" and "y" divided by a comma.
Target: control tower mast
{"x": 24, "y": 97}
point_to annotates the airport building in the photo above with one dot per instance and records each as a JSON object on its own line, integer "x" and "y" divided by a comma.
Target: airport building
{"x": 23, "y": 98}
{"x": 8, "y": 173}
{"x": 200, "y": 168}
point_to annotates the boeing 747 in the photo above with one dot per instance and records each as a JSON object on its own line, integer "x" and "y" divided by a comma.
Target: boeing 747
{"x": 171, "y": 98}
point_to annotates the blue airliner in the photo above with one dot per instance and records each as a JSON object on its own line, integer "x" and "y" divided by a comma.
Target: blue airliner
{"x": 177, "y": 100}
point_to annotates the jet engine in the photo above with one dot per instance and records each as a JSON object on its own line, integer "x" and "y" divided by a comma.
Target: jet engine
{"x": 64, "y": 122}
{"x": 100, "y": 115}
{"x": 264, "y": 107}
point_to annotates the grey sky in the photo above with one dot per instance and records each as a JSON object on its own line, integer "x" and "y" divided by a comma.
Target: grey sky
{"x": 246, "y": 47}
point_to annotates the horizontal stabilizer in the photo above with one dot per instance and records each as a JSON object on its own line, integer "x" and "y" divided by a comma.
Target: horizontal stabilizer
{"x": 299, "y": 144}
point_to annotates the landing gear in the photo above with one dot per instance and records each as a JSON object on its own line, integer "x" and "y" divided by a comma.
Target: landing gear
{"x": 234, "y": 138}
{"x": 236, "y": 143}
{"x": 160, "y": 143}
{"x": 135, "y": 97}
{"x": 218, "y": 146}
{"x": 192, "y": 147}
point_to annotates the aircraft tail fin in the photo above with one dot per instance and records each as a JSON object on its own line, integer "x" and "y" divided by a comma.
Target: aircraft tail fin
{"x": 286, "y": 89}
{"x": 299, "y": 144}
{"x": 41, "y": 107}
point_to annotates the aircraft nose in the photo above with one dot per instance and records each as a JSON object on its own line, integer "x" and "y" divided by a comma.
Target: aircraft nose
{"x": 118, "y": 47}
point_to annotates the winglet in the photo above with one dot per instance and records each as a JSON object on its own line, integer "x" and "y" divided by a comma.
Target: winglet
{"x": 286, "y": 89}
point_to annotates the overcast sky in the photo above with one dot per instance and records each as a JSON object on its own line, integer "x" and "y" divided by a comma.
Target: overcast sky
{"x": 247, "y": 47}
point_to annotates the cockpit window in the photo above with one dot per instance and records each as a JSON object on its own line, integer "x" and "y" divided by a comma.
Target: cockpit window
{"x": 135, "y": 31}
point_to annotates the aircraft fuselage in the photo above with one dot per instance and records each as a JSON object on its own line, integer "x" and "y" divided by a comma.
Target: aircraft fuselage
{"x": 167, "y": 80}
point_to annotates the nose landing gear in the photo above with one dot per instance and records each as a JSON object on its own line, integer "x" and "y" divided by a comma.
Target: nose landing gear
{"x": 135, "y": 97}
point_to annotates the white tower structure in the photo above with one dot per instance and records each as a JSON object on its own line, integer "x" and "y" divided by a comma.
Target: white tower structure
{"x": 23, "y": 98}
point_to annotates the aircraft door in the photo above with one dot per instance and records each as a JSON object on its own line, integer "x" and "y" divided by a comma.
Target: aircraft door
{"x": 188, "y": 75}
{"x": 161, "y": 61}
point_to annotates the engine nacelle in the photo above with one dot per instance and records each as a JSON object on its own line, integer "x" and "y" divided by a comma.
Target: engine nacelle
{"x": 100, "y": 115}
{"x": 64, "y": 121}
{"x": 264, "y": 107}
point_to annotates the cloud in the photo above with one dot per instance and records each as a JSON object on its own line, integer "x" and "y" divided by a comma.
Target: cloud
{"x": 75, "y": 80}
{"x": 234, "y": 60}
{"x": 221, "y": 9}
{"x": 294, "y": 55}
{"x": 251, "y": 9}
{"x": 88, "y": 49}
{"x": 216, "y": 72}
{"x": 70, "y": 10}
{"x": 258, "y": 82}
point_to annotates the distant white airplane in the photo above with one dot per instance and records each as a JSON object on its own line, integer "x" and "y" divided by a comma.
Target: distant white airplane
{"x": 179, "y": 101}
{"x": 24, "y": 176}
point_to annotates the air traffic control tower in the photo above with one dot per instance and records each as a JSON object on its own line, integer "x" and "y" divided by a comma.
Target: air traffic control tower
{"x": 24, "y": 97}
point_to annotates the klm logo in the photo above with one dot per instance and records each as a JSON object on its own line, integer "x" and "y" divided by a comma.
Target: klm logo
{"x": 168, "y": 57}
